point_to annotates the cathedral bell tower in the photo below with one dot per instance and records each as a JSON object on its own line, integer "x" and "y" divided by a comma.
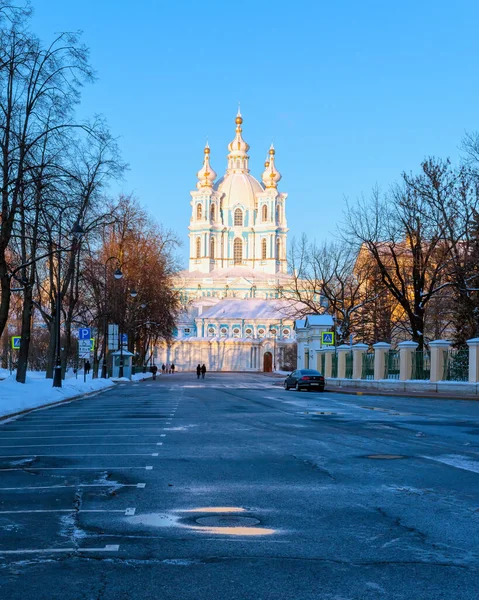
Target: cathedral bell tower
{"x": 238, "y": 222}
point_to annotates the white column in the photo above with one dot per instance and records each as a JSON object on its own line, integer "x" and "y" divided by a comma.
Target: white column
{"x": 437, "y": 359}
{"x": 473, "y": 360}
{"x": 328, "y": 361}
{"x": 405, "y": 359}
{"x": 301, "y": 337}
{"x": 358, "y": 351}
{"x": 342, "y": 360}
{"x": 380, "y": 351}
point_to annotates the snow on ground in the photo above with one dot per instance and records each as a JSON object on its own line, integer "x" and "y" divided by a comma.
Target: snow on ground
{"x": 37, "y": 391}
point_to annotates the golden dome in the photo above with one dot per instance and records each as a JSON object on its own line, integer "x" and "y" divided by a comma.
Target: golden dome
{"x": 239, "y": 120}
{"x": 207, "y": 150}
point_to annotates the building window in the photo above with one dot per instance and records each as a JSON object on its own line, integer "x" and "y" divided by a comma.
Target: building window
{"x": 211, "y": 331}
{"x": 236, "y": 332}
{"x": 264, "y": 212}
{"x": 199, "y": 211}
{"x": 213, "y": 213}
{"x": 263, "y": 249}
{"x": 278, "y": 249}
{"x": 238, "y": 251}
{"x": 238, "y": 218}
{"x": 212, "y": 248}
{"x": 198, "y": 247}
{"x": 278, "y": 214}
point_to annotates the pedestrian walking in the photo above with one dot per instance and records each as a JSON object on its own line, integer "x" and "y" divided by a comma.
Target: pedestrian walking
{"x": 198, "y": 371}
{"x": 173, "y": 368}
{"x": 163, "y": 367}
{"x": 87, "y": 367}
{"x": 203, "y": 371}
{"x": 154, "y": 370}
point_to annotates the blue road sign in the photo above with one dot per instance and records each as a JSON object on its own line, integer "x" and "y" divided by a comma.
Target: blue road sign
{"x": 124, "y": 338}
{"x": 16, "y": 342}
{"x": 327, "y": 338}
{"x": 84, "y": 333}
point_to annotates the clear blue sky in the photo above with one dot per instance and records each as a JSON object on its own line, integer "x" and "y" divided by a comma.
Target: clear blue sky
{"x": 352, "y": 93}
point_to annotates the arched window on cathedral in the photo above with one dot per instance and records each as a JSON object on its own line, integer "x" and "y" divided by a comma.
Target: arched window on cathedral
{"x": 212, "y": 248}
{"x": 278, "y": 249}
{"x": 198, "y": 247}
{"x": 263, "y": 249}
{"x": 238, "y": 251}
{"x": 199, "y": 211}
{"x": 264, "y": 213}
{"x": 213, "y": 213}
{"x": 238, "y": 218}
{"x": 278, "y": 214}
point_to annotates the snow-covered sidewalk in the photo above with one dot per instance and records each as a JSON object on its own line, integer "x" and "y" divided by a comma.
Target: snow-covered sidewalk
{"x": 38, "y": 391}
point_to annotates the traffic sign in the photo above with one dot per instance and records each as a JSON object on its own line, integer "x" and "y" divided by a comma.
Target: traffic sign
{"x": 124, "y": 339}
{"x": 327, "y": 338}
{"x": 16, "y": 342}
{"x": 84, "y": 346}
{"x": 84, "y": 355}
{"x": 92, "y": 345}
{"x": 84, "y": 333}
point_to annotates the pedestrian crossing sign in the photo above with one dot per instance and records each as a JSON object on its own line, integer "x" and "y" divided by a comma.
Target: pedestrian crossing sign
{"x": 327, "y": 338}
{"x": 92, "y": 344}
{"x": 16, "y": 342}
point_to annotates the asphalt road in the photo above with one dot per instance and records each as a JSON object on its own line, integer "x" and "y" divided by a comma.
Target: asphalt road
{"x": 232, "y": 488}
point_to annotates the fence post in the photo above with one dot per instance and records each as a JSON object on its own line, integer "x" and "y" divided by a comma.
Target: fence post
{"x": 342, "y": 360}
{"x": 473, "y": 360}
{"x": 380, "y": 352}
{"x": 328, "y": 361}
{"x": 437, "y": 359}
{"x": 358, "y": 351}
{"x": 405, "y": 359}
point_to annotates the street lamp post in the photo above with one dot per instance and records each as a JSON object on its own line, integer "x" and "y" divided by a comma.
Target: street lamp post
{"x": 77, "y": 232}
{"x": 117, "y": 275}
{"x": 133, "y": 294}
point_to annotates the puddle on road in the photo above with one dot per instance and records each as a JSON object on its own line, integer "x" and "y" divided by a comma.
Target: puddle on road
{"x": 222, "y": 524}
{"x": 154, "y": 520}
{"x": 241, "y": 531}
{"x": 216, "y": 509}
{"x": 385, "y": 456}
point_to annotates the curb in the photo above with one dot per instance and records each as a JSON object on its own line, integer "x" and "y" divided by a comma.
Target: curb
{"x": 51, "y": 404}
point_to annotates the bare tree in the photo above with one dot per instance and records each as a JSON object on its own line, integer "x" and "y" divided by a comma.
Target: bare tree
{"x": 329, "y": 278}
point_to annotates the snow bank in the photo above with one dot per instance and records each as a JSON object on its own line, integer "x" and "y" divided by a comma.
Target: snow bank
{"x": 38, "y": 391}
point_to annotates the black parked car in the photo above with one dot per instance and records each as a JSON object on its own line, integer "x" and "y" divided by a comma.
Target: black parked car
{"x": 305, "y": 379}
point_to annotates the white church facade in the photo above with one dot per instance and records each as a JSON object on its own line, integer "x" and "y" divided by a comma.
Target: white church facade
{"x": 233, "y": 318}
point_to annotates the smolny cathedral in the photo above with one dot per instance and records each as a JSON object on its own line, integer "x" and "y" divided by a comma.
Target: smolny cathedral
{"x": 233, "y": 319}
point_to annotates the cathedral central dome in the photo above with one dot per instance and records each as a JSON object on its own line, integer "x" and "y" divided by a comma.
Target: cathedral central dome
{"x": 238, "y": 188}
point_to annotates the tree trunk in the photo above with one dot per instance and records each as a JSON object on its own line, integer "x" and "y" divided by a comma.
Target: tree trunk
{"x": 26, "y": 334}
{"x": 51, "y": 349}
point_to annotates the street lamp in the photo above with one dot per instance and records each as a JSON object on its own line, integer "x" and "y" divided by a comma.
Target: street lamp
{"x": 77, "y": 231}
{"x": 117, "y": 274}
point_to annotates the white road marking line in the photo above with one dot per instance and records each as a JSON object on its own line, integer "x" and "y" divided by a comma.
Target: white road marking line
{"x": 107, "y": 548}
{"x": 66, "y": 455}
{"x": 59, "y": 445}
{"x": 32, "y": 468}
{"x": 75, "y": 423}
{"x": 162, "y": 434}
{"x": 159, "y": 443}
{"x": 54, "y": 487}
{"x": 137, "y": 429}
{"x": 59, "y": 437}
{"x": 128, "y": 512}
